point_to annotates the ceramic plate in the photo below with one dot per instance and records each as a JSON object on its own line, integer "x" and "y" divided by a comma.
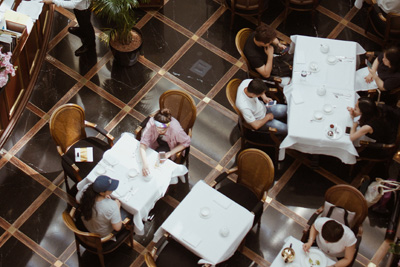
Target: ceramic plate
{"x": 336, "y": 133}
{"x": 132, "y": 173}
{"x": 100, "y": 170}
{"x": 326, "y": 108}
{"x": 316, "y": 115}
{"x": 331, "y": 60}
{"x": 315, "y": 258}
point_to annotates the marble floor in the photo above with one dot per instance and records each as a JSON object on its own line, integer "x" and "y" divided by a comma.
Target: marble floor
{"x": 176, "y": 36}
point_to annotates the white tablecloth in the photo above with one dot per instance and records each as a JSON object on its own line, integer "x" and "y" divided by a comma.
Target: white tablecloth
{"x": 137, "y": 195}
{"x": 300, "y": 255}
{"x": 304, "y": 133}
{"x": 202, "y": 235}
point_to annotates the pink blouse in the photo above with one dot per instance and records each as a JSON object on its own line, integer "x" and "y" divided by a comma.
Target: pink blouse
{"x": 174, "y": 135}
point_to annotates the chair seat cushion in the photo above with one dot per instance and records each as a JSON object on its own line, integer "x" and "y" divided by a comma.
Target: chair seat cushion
{"x": 99, "y": 147}
{"x": 174, "y": 254}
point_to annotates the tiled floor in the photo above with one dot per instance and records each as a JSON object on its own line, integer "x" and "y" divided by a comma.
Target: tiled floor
{"x": 176, "y": 36}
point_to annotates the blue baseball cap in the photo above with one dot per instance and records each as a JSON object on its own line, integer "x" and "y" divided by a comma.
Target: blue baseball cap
{"x": 104, "y": 183}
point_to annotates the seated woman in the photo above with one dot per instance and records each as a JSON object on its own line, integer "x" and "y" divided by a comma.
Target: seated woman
{"x": 334, "y": 239}
{"x": 385, "y": 70}
{"x": 162, "y": 133}
{"x": 100, "y": 213}
{"x": 372, "y": 122}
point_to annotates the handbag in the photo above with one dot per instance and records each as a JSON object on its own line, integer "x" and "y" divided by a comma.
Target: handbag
{"x": 378, "y": 188}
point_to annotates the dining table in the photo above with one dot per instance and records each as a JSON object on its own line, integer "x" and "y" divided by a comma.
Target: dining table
{"x": 137, "y": 193}
{"x": 208, "y": 223}
{"x": 314, "y": 258}
{"x": 321, "y": 90}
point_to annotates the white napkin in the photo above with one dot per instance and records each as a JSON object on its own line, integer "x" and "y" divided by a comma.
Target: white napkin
{"x": 360, "y": 83}
{"x": 297, "y": 98}
{"x": 192, "y": 239}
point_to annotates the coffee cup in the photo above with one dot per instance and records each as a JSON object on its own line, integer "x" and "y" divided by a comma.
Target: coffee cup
{"x": 324, "y": 48}
{"x": 327, "y": 108}
{"x": 318, "y": 115}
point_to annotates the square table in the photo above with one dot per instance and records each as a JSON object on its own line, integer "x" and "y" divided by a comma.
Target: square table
{"x": 300, "y": 255}
{"x": 137, "y": 195}
{"x": 305, "y": 133}
{"x": 202, "y": 234}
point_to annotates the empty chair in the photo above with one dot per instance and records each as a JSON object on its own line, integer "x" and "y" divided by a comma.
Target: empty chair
{"x": 300, "y": 5}
{"x": 169, "y": 253}
{"x": 255, "y": 172}
{"x": 246, "y": 8}
{"x": 67, "y": 128}
{"x": 386, "y": 25}
{"x": 345, "y": 204}
{"x": 247, "y": 133}
{"x": 93, "y": 242}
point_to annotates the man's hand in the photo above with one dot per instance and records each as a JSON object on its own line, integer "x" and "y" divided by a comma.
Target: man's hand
{"x": 269, "y": 116}
{"x": 269, "y": 51}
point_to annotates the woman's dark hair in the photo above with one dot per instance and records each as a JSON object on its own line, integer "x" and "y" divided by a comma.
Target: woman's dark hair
{"x": 163, "y": 115}
{"x": 393, "y": 55}
{"x": 87, "y": 202}
{"x": 332, "y": 231}
{"x": 368, "y": 110}
{"x": 265, "y": 33}
{"x": 257, "y": 86}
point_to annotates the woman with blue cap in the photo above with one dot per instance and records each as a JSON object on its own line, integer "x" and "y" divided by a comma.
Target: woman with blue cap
{"x": 100, "y": 213}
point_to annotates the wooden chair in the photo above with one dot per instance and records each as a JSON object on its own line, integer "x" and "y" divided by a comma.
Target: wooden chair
{"x": 183, "y": 109}
{"x": 169, "y": 253}
{"x": 93, "y": 242}
{"x": 255, "y": 171}
{"x": 247, "y": 133}
{"x": 300, "y": 5}
{"x": 348, "y": 198}
{"x": 240, "y": 41}
{"x": 246, "y": 8}
{"x": 386, "y": 25}
{"x": 67, "y": 128}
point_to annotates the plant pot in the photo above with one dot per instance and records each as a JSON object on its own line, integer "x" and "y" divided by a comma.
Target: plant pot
{"x": 124, "y": 57}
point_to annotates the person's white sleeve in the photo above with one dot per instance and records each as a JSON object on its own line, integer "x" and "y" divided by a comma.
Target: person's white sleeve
{"x": 248, "y": 115}
{"x": 68, "y": 4}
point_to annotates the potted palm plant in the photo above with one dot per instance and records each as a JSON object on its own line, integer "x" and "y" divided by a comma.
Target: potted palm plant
{"x": 123, "y": 38}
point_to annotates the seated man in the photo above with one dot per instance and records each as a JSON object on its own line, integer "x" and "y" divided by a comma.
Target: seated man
{"x": 259, "y": 51}
{"x": 255, "y": 112}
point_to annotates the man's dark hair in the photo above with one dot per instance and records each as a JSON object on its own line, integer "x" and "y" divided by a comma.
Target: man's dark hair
{"x": 264, "y": 33}
{"x": 332, "y": 231}
{"x": 257, "y": 86}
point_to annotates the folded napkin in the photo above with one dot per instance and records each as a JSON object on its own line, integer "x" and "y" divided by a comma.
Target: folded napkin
{"x": 296, "y": 96}
{"x": 192, "y": 239}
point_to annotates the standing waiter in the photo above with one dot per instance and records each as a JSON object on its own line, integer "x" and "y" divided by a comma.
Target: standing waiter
{"x": 85, "y": 30}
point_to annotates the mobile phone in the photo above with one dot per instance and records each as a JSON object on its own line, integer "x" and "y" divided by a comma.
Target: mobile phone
{"x": 285, "y": 50}
{"x": 271, "y": 103}
{"x": 348, "y": 129}
{"x": 368, "y": 63}
{"x": 162, "y": 156}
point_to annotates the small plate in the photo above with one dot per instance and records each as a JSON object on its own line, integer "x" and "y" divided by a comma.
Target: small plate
{"x": 318, "y": 116}
{"x": 100, "y": 170}
{"x": 333, "y": 134}
{"x": 205, "y": 213}
{"x": 327, "y": 108}
{"x": 315, "y": 258}
{"x": 332, "y": 60}
{"x": 313, "y": 66}
{"x": 132, "y": 173}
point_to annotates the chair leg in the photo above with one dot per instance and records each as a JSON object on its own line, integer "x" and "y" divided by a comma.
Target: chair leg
{"x": 101, "y": 258}
{"x": 232, "y": 19}
{"x": 66, "y": 183}
{"x": 78, "y": 251}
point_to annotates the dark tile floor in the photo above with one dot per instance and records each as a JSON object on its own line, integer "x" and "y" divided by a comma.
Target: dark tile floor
{"x": 177, "y": 36}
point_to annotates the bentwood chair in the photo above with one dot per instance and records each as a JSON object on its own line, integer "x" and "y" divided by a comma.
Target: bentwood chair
{"x": 255, "y": 175}
{"x": 246, "y": 8}
{"x": 248, "y": 135}
{"x": 67, "y": 128}
{"x": 300, "y": 5}
{"x": 386, "y": 25}
{"x": 345, "y": 204}
{"x": 93, "y": 242}
{"x": 169, "y": 253}
{"x": 240, "y": 41}
{"x": 183, "y": 109}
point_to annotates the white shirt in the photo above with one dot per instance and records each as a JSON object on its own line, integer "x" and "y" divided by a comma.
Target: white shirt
{"x": 334, "y": 249}
{"x": 252, "y": 109}
{"x": 389, "y": 6}
{"x": 73, "y": 4}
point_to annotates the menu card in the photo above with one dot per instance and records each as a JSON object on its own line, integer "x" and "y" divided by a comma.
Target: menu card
{"x": 84, "y": 154}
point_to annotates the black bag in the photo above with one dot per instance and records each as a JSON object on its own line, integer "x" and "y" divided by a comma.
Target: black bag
{"x": 282, "y": 66}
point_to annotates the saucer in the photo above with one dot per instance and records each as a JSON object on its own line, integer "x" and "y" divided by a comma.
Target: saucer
{"x": 333, "y": 134}
{"x": 327, "y": 108}
{"x": 318, "y": 116}
{"x": 148, "y": 177}
{"x": 132, "y": 173}
{"x": 205, "y": 213}
{"x": 332, "y": 60}
{"x": 100, "y": 170}
{"x": 313, "y": 66}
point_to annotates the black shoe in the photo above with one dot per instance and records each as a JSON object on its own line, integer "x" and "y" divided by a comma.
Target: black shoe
{"x": 82, "y": 50}
{"x": 75, "y": 31}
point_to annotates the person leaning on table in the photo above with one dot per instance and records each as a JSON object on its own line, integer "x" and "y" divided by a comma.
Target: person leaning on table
{"x": 334, "y": 239}
{"x": 162, "y": 133}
